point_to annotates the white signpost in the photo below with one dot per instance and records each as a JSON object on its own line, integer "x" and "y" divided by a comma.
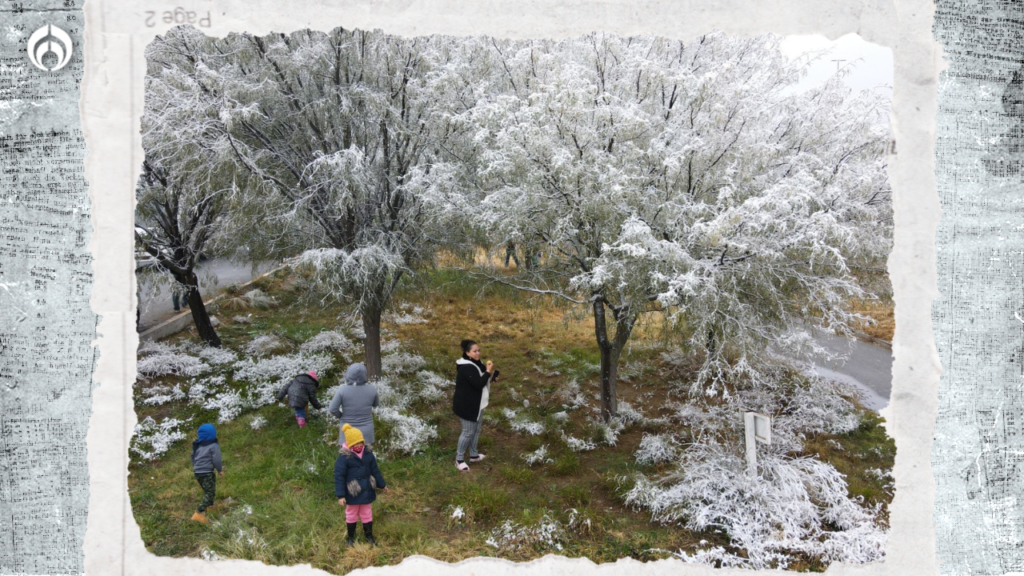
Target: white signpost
{"x": 758, "y": 429}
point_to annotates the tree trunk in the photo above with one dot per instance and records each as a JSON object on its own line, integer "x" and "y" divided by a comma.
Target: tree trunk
{"x": 609, "y": 379}
{"x": 371, "y": 326}
{"x": 199, "y": 315}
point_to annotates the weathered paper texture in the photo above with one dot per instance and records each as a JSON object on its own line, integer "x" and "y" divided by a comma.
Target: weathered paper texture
{"x": 46, "y": 326}
{"x": 978, "y": 456}
{"x": 112, "y": 100}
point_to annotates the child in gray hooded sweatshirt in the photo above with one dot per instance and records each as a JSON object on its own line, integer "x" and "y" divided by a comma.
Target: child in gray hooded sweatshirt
{"x": 353, "y": 403}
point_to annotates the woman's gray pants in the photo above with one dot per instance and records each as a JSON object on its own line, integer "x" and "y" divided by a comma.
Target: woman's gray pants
{"x": 469, "y": 437}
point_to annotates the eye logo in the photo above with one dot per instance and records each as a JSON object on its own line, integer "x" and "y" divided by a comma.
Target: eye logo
{"x": 49, "y": 39}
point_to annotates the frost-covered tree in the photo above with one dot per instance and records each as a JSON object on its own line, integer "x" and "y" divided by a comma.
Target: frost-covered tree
{"x": 688, "y": 179}
{"x": 177, "y": 219}
{"x": 330, "y": 129}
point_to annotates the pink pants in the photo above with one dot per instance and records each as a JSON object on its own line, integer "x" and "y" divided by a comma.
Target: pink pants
{"x": 361, "y": 512}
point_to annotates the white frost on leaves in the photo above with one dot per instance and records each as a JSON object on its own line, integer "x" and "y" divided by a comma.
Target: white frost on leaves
{"x": 230, "y": 404}
{"x": 409, "y": 433}
{"x": 571, "y": 395}
{"x": 257, "y": 422}
{"x": 538, "y": 456}
{"x": 152, "y": 440}
{"x": 547, "y": 533}
{"x": 527, "y": 426}
{"x": 458, "y": 513}
{"x": 402, "y": 363}
{"x": 656, "y": 448}
{"x": 327, "y": 341}
{"x": 199, "y": 389}
{"x": 217, "y": 355}
{"x": 170, "y": 396}
{"x": 578, "y": 445}
{"x": 628, "y": 414}
{"x": 608, "y": 432}
{"x": 268, "y": 375}
{"x": 170, "y": 362}
{"x": 264, "y": 345}
{"x": 403, "y": 318}
{"x": 242, "y": 320}
{"x": 209, "y": 555}
{"x": 560, "y": 416}
{"x": 796, "y": 507}
{"x": 259, "y": 298}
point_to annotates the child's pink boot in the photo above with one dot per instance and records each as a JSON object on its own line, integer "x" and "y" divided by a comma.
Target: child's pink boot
{"x": 302, "y": 421}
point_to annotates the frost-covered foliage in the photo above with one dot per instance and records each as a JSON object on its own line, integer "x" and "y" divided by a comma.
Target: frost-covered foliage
{"x": 433, "y": 386}
{"x": 259, "y": 299}
{"x": 628, "y": 414}
{"x": 264, "y": 345}
{"x": 230, "y": 404}
{"x": 164, "y": 360}
{"x": 798, "y": 506}
{"x": 151, "y": 440}
{"x": 538, "y": 456}
{"x": 409, "y": 433}
{"x": 579, "y": 444}
{"x": 546, "y": 533}
{"x": 656, "y": 448}
{"x": 521, "y": 423}
{"x": 327, "y": 341}
{"x": 402, "y": 363}
{"x": 164, "y": 395}
{"x": 608, "y": 432}
{"x": 404, "y": 318}
{"x": 257, "y": 422}
{"x": 217, "y": 356}
{"x": 200, "y": 389}
{"x": 571, "y": 395}
{"x": 241, "y": 320}
{"x": 268, "y": 375}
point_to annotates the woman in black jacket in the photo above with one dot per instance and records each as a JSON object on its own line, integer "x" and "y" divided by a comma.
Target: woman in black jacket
{"x": 472, "y": 389}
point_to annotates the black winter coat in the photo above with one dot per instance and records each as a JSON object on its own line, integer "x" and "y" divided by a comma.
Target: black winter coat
{"x": 300, "y": 391}
{"x": 357, "y": 479}
{"x": 470, "y": 380}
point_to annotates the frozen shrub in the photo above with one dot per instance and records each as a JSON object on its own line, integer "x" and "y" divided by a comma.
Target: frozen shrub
{"x": 229, "y": 404}
{"x": 152, "y": 440}
{"x": 608, "y": 432}
{"x": 241, "y": 320}
{"x": 171, "y": 363}
{"x": 259, "y": 298}
{"x": 409, "y": 434}
{"x": 538, "y": 456}
{"x": 264, "y": 345}
{"x": 268, "y": 375}
{"x": 402, "y": 363}
{"x": 170, "y": 396}
{"x": 327, "y": 341}
{"x": 257, "y": 422}
{"x": 560, "y": 416}
{"x": 404, "y": 318}
{"x": 508, "y": 413}
{"x": 547, "y": 533}
{"x": 198, "y": 390}
{"x": 527, "y": 426}
{"x": 571, "y": 395}
{"x": 628, "y": 414}
{"x": 217, "y": 355}
{"x": 796, "y": 507}
{"x": 656, "y": 448}
{"x": 579, "y": 445}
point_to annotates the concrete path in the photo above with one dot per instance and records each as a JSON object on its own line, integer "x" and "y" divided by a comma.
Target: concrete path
{"x": 868, "y": 367}
{"x": 214, "y": 276}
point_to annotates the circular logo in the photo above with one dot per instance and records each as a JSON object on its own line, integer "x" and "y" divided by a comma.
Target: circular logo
{"x": 46, "y": 40}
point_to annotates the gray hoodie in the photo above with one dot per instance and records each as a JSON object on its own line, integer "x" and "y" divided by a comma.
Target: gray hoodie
{"x": 353, "y": 403}
{"x": 207, "y": 459}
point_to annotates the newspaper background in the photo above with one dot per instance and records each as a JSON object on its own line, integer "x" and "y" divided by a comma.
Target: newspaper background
{"x": 112, "y": 98}
{"x": 978, "y": 314}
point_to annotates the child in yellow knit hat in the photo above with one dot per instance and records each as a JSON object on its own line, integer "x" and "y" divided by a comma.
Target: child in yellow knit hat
{"x": 356, "y": 481}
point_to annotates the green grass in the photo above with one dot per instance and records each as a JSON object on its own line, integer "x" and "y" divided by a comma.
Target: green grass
{"x": 276, "y": 499}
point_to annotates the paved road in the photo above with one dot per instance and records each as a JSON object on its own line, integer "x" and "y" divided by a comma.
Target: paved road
{"x": 868, "y": 367}
{"x": 156, "y": 308}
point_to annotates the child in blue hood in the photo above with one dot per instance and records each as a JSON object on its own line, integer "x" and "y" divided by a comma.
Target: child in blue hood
{"x": 205, "y": 459}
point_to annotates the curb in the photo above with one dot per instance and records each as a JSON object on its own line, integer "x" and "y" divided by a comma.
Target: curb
{"x": 182, "y": 320}
{"x": 872, "y": 340}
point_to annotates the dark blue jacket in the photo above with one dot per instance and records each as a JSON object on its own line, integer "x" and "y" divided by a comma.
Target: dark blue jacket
{"x": 357, "y": 479}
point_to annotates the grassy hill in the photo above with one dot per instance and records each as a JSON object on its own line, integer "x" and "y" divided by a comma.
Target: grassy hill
{"x": 276, "y": 502}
